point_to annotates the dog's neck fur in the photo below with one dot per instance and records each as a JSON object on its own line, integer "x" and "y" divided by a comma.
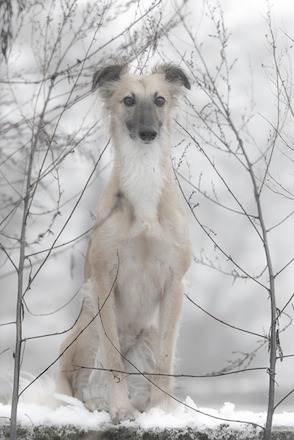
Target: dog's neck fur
{"x": 142, "y": 173}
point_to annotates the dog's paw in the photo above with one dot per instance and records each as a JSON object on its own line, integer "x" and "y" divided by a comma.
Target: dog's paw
{"x": 120, "y": 414}
{"x": 96, "y": 404}
{"x": 164, "y": 402}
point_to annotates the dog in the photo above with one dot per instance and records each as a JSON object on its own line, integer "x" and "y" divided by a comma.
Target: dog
{"x": 119, "y": 355}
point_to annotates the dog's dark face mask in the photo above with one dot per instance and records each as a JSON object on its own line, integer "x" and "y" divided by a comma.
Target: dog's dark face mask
{"x": 140, "y": 105}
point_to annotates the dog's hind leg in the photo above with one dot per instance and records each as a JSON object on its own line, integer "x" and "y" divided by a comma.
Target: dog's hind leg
{"x": 64, "y": 378}
{"x": 79, "y": 355}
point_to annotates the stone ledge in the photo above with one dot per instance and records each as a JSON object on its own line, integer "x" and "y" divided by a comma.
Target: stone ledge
{"x": 223, "y": 432}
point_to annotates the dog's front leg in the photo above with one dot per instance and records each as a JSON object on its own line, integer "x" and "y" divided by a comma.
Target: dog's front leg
{"x": 119, "y": 402}
{"x": 169, "y": 315}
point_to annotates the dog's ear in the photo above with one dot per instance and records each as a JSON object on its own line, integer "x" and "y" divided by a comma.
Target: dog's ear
{"x": 107, "y": 76}
{"x": 174, "y": 75}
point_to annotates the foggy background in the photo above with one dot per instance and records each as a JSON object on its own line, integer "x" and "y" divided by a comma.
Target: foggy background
{"x": 228, "y": 275}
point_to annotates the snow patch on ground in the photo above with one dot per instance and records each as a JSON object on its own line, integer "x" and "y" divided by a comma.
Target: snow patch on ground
{"x": 187, "y": 414}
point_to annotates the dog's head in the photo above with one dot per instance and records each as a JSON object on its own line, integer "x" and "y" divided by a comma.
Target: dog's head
{"x": 140, "y": 105}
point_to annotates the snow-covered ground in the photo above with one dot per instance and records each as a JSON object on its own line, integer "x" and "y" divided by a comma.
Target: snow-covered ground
{"x": 185, "y": 415}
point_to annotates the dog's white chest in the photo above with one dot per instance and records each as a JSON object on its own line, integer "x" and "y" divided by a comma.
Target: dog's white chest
{"x": 142, "y": 180}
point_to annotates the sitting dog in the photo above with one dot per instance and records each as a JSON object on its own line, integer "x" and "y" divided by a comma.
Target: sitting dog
{"x": 119, "y": 355}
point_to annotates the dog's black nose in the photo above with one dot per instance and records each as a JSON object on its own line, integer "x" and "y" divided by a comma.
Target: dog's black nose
{"x": 147, "y": 134}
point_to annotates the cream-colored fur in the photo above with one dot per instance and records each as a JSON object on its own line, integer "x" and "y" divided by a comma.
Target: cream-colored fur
{"x": 138, "y": 254}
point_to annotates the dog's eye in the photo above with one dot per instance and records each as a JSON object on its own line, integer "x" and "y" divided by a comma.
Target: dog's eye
{"x": 160, "y": 101}
{"x": 129, "y": 101}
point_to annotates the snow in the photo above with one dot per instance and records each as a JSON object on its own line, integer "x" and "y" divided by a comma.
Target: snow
{"x": 184, "y": 415}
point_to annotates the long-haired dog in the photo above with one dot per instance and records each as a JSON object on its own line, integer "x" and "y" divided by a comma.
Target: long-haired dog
{"x": 119, "y": 355}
